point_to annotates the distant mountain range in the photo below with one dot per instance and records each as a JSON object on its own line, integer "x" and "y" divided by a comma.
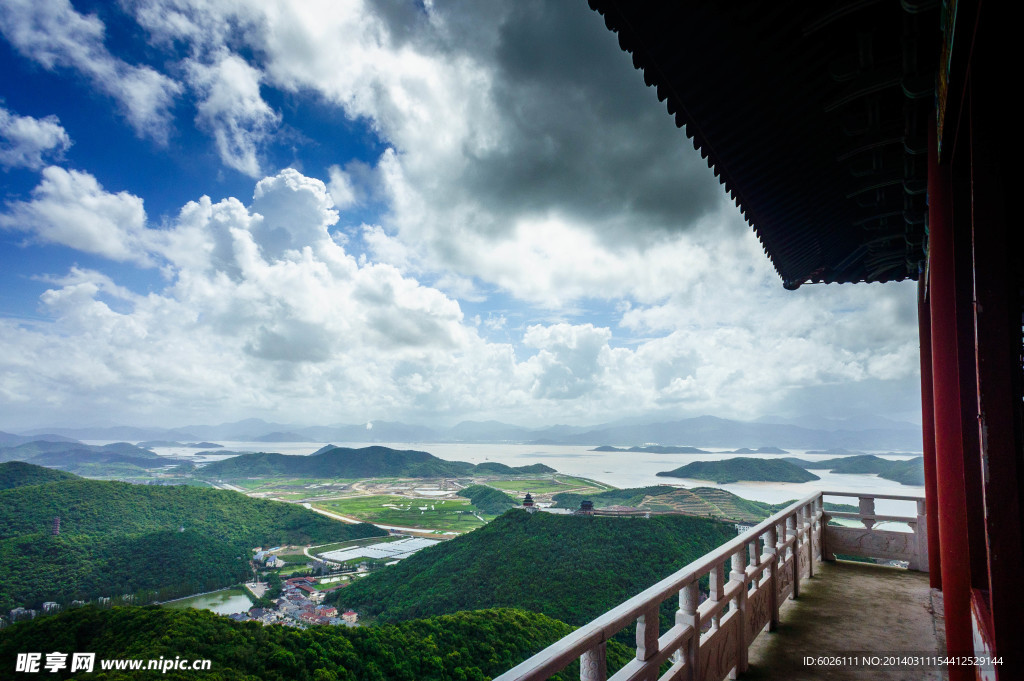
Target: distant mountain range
{"x": 118, "y": 457}
{"x": 702, "y": 431}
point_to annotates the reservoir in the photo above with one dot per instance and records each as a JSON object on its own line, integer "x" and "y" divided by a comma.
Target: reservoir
{"x": 223, "y": 602}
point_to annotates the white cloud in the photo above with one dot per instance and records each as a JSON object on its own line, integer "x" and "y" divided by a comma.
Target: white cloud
{"x": 53, "y": 34}
{"x": 342, "y": 189}
{"x": 524, "y": 157}
{"x": 25, "y": 141}
{"x": 72, "y": 209}
{"x": 231, "y": 108}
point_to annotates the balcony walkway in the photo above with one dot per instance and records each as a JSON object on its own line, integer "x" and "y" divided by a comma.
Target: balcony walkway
{"x": 851, "y": 607}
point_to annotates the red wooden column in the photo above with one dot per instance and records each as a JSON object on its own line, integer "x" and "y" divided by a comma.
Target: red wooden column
{"x": 997, "y": 316}
{"x": 949, "y": 470}
{"x": 931, "y": 499}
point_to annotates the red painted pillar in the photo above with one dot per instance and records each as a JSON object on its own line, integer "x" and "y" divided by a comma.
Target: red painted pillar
{"x": 931, "y": 499}
{"x": 949, "y": 469}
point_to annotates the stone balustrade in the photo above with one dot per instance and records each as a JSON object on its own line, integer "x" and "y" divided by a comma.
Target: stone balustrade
{"x": 871, "y": 542}
{"x": 748, "y": 579}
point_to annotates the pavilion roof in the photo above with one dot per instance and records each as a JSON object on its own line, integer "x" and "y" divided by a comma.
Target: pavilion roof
{"x": 812, "y": 114}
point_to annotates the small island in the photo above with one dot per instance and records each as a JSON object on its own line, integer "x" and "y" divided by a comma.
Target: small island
{"x": 759, "y": 450}
{"x": 652, "y": 449}
{"x": 907, "y": 472}
{"x": 742, "y": 469}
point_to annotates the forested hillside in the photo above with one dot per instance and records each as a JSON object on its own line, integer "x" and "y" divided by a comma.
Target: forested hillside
{"x": 734, "y": 470}
{"x": 19, "y": 474}
{"x": 365, "y": 462}
{"x": 468, "y": 646}
{"x": 118, "y": 538}
{"x": 571, "y": 568}
{"x": 905, "y": 472}
{"x": 488, "y": 499}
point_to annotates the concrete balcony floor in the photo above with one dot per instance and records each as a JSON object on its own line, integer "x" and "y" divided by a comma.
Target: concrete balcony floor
{"x": 851, "y": 607}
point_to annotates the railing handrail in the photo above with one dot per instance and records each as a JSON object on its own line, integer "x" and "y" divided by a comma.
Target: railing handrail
{"x": 605, "y": 626}
{"x": 873, "y": 495}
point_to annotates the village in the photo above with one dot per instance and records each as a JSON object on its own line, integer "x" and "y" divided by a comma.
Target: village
{"x": 299, "y": 605}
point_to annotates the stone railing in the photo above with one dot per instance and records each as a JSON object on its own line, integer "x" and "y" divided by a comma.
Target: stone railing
{"x": 869, "y": 542}
{"x": 748, "y": 579}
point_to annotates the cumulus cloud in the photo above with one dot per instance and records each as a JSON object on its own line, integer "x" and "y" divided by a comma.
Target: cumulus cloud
{"x": 513, "y": 128}
{"x": 267, "y": 313}
{"x": 72, "y": 209}
{"x": 25, "y": 141}
{"x": 53, "y": 34}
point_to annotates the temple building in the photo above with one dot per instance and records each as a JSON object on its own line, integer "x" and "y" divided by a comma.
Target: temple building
{"x": 864, "y": 142}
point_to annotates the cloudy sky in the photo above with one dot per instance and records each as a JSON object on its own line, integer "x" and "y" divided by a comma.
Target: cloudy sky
{"x": 331, "y": 212}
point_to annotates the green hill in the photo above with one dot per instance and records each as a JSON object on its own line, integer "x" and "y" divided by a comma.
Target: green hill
{"x": 118, "y": 538}
{"x": 630, "y": 496}
{"x": 366, "y": 462}
{"x": 905, "y": 472}
{"x": 502, "y": 469}
{"x": 112, "y": 459}
{"x": 734, "y": 470}
{"x": 572, "y": 568}
{"x": 340, "y": 462}
{"x": 19, "y": 474}
{"x": 488, "y": 499}
{"x": 700, "y": 501}
{"x": 471, "y": 646}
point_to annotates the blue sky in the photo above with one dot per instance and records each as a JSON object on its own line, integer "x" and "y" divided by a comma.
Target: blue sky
{"x": 330, "y": 212}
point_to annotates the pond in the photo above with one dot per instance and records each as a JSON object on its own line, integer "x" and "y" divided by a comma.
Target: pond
{"x": 223, "y": 602}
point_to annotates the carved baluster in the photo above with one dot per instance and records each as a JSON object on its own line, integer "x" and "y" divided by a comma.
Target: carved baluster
{"x": 687, "y": 615}
{"x": 752, "y": 556}
{"x": 819, "y": 526}
{"x": 716, "y": 581}
{"x": 791, "y": 528}
{"x": 647, "y": 638}
{"x": 809, "y": 529}
{"x": 739, "y": 574}
{"x": 921, "y": 535}
{"x": 867, "y": 507}
{"x": 594, "y": 663}
{"x": 771, "y": 557}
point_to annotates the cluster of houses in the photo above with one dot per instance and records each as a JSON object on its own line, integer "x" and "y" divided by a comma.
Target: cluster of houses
{"x": 268, "y": 559}
{"x": 299, "y": 605}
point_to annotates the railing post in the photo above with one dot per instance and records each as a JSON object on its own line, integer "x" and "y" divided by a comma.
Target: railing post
{"x": 791, "y": 528}
{"x": 808, "y": 512}
{"x": 647, "y": 637}
{"x": 826, "y": 553}
{"x": 752, "y": 558}
{"x": 771, "y": 556}
{"x": 739, "y": 574}
{"x": 921, "y": 532}
{"x": 687, "y": 615}
{"x": 594, "y": 663}
{"x": 867, "y": 507}
{"x": 716, "y": 587}
{"x": 819, "y": 525}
